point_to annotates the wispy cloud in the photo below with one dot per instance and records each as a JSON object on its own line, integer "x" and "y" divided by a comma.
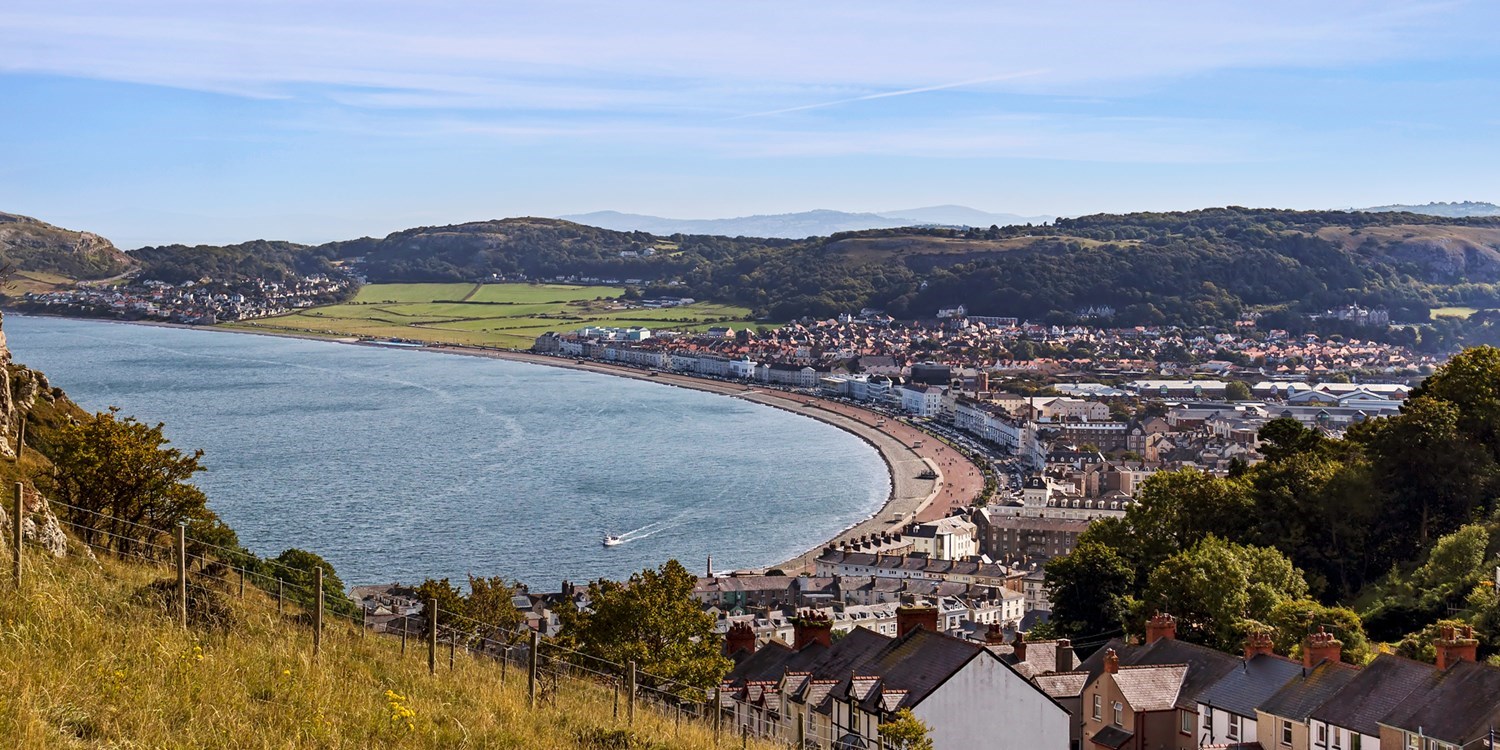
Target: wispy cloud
{"x": 889, "y": 94}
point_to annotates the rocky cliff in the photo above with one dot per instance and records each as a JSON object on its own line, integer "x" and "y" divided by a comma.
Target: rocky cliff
{"x": 28, "y": 244}
{"x": 20, "y": 391}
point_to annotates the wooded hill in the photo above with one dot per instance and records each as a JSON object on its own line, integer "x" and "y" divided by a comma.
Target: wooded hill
{"x": 1205, "y": 267}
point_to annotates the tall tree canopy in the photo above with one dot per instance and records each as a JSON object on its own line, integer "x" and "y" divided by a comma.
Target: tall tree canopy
{"x": 121, "y": 479}
{"x": 653, "y": 620}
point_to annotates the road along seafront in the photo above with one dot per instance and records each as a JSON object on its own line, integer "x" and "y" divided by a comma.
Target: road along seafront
{"x": 908, "y": 452}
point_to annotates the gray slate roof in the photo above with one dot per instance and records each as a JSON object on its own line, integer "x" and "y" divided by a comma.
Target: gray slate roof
{"x": 1455, "y": 705}
{"x": 1300, "y": 697}
{"x": 1376, "y": 691}
{"x": 1250, "y": 684}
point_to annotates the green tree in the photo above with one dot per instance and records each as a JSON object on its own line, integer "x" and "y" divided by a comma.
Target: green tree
{"x": 1206, "y": 588}
{"x": 121, "y": 480}
{"x": 1436, "y": 473}
{"x": 1175, "y": 510}
{"x": 491, "y": 602}
{"x": 653, "y": 620}
{"x": 1470, "y": 381}
{"x": 1284, "y": 437}
{"x": 1090, "y": 590}
{"x": 1238, "y": 390}
{"x": 297, "y": 570}
{"x": 1292, "y": 619}
{"x": 448, "y": 597}
{"x": 905, "y": 732}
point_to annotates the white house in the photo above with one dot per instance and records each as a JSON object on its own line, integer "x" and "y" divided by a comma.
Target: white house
{"x": 922, "y": 400}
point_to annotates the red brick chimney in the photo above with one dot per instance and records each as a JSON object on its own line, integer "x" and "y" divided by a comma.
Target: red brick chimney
{"x": 913, "y": 616}
{"x": 1320, "y": 646}
{"x": 1455, "y": 645}
{"x": 1018, "y": 647}
{"x": 994, "y": 635}
{"x": 1257, "y": 643}
{"x": 1161, "y": 625}
{"x": 741, "y": 637}
{"x": 1111, "y": 662}
{"x": 809, "y": 628}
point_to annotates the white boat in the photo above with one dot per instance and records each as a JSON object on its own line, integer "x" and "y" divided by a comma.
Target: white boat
{"x": 610, "y": 540}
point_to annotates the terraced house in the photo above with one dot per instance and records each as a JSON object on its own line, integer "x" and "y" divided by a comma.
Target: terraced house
{"x": 823, "y": 694}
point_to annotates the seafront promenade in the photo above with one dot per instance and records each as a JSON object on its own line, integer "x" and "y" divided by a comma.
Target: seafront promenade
{"x": 906, "y": 450}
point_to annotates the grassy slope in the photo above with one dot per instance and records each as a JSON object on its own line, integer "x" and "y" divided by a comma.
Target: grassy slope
{"x": 508, "y": 315}
{"x": 84, "y": 665}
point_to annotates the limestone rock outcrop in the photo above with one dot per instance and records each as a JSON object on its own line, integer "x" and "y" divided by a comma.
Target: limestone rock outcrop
{"x": 39, "y": 526}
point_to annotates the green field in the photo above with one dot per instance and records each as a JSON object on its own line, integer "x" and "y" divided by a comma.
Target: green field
{"x": 505, "y": 315}
{"x": 1453, "y": 312}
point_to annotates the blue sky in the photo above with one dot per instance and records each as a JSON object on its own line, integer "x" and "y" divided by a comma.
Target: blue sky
{"x": 154, "y": 121}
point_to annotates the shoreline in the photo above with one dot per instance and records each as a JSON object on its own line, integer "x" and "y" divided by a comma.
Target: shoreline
{"x": 912, "y": 497}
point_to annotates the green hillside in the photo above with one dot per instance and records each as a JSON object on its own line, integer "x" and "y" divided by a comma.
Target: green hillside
{"x": 91, "y": 662}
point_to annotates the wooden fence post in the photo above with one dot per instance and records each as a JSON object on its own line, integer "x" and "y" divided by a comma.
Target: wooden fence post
{"x": 405, "y": 628}
{"x": 617, "y": 698}
{"x": 15, "y": 535}
{"x": 452, "y": 648}
{"x": 280, "y": 594}
{"x": 432, "y": 625}
{"x": 318, "y": 616}
{"x": 719, "y": 713}
{"x": 536, "y": 646}
{"x": 801, "y": 730}
{"x": 182, "y": 575}
{"x": 242, "y": 583}
{"x": 21, "y": 441}
{"x": 630, "y": 693}
{"x": 505, "y": 665}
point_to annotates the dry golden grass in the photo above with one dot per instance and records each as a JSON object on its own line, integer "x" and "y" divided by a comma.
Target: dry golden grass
{"x": 83, "y": 664}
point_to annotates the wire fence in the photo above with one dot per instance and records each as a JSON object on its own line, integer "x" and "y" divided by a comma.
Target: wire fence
{"x": 204, "y": 577}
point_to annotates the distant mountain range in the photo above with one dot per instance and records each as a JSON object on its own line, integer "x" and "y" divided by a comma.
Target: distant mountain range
{"x": 816, "y": 223}
{"x": 1457, "y": 210}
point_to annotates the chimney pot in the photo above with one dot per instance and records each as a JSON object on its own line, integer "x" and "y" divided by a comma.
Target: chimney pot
{"x": 911, "y": 617}
{"x": 1161, "y": 625}
{"x": 741, "y": 637}
{"x": 811, "y": 627}
{"x": 1320, "y": 646}
{"x": 1018, "y": 647}
{"x": 1064, "y": 655}
{"x": 1257, "y": 643}
{"x": 1111, "y": 662}
{"x": 1455, "y": 645}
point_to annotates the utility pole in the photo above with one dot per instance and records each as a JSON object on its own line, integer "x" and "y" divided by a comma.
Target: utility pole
{"x": 630, "y": 693}
{"x": 432, "y": 625}
{"x": 15, "y": 540}
{"x": 318, "y": 616}
{"x": 181, "y": 575}
{"x": 536, "y": 645}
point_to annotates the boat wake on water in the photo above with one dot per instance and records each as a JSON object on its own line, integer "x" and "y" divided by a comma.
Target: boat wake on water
{"x": 635, "y": 535}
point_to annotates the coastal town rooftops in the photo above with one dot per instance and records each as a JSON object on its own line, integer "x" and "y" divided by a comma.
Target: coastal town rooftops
{"x": 1205, "y": 665}
{"x": 1373, "y": 693}
{"x": 1297, "y": 699}
{"x": 1454, "y": 705}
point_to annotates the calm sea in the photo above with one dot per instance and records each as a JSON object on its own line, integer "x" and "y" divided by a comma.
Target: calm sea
{"x": 399, "y": 465}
